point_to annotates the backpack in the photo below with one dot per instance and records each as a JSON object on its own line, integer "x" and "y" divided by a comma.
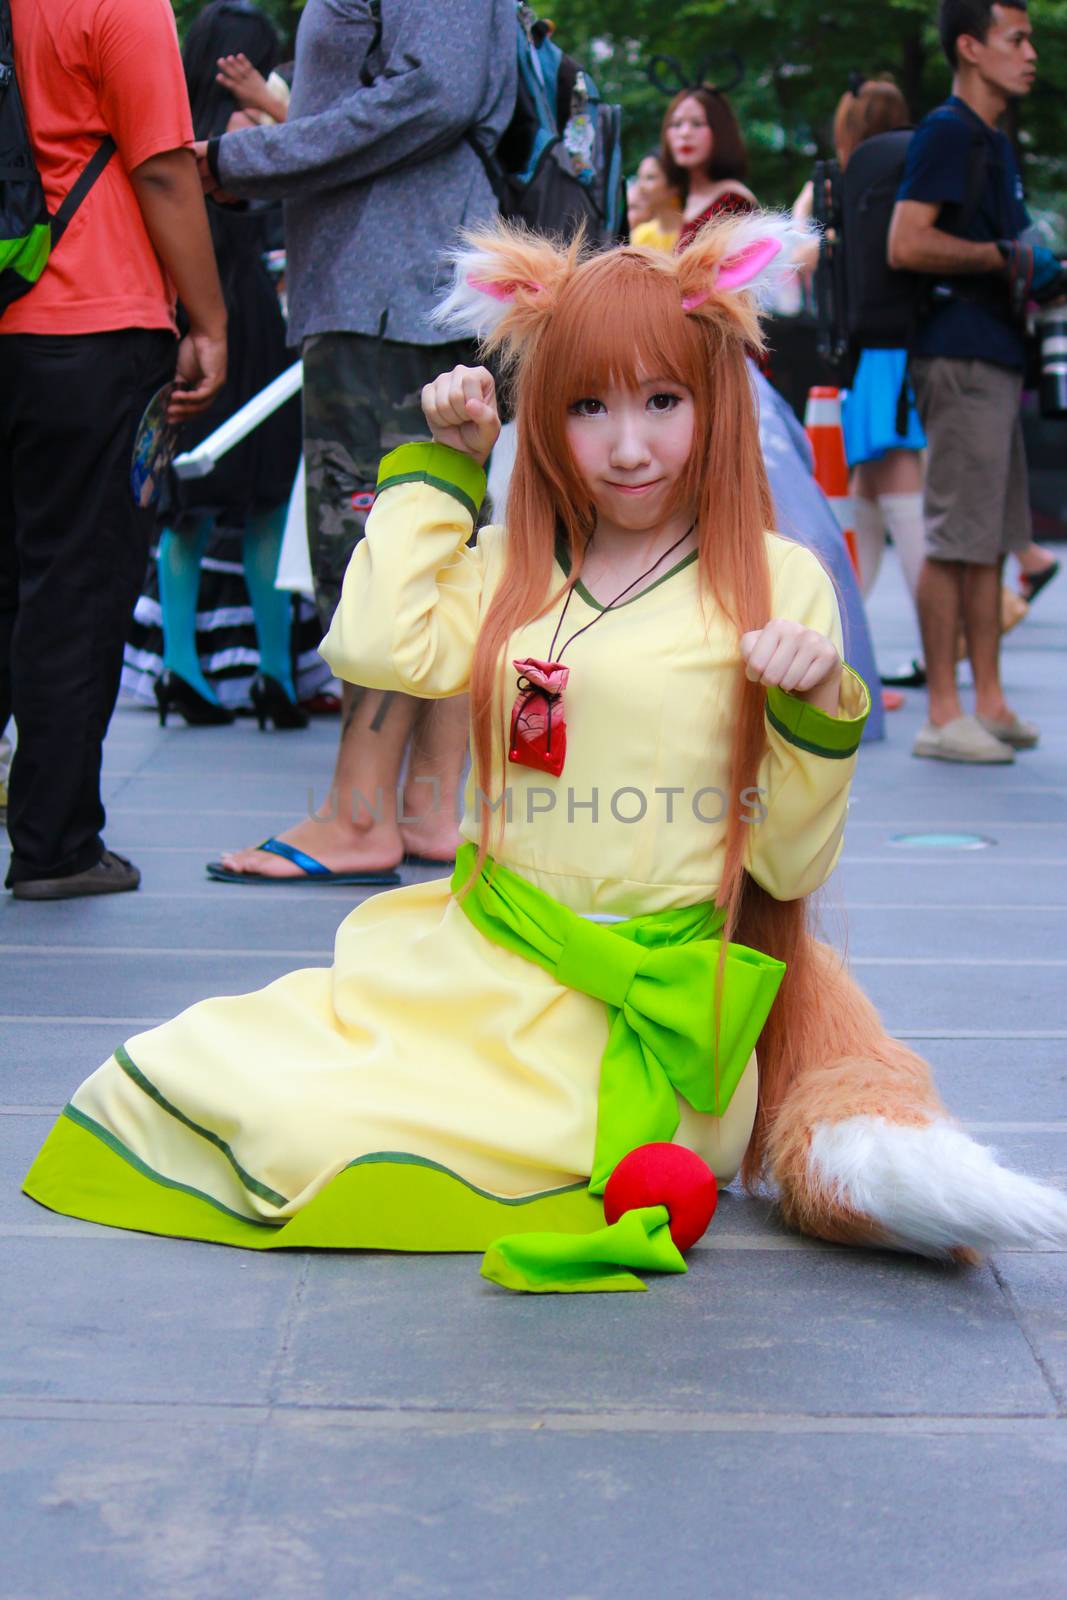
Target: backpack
{"x": 861, "y": 302}
{"x": 559, "y": 162}
{"x": 28, "y": 234}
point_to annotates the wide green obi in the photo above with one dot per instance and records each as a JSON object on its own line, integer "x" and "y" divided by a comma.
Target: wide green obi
{"x": 672, "y": 1029}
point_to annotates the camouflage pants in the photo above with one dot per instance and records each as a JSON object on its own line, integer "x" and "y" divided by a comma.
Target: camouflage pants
{"x": 361, "y": 400}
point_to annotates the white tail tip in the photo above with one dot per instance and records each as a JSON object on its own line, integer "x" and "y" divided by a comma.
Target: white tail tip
{"x": 933, "y": 1188}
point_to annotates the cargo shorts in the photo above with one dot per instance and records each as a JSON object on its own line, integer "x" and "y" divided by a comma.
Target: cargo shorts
{"x": 361, "y": 399}
{"x": 976, "y": 501}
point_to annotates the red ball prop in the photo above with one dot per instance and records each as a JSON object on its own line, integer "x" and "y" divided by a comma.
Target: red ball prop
{"x": 665, "y": 1175}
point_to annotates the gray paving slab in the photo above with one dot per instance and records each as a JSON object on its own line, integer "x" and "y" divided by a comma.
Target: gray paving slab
{"x": 156, "y": 985}
{"x": 133, "y": 1318}
{"x": 95, "y": 1509}
{"x": 956, "y": 931}
{"x": 992, "y": 995}
{"x": 1036, "y": 1286}
{"x": 299, "y": 1508}
{"x": 987, "y": 877}
{"x": 213, "y": 920}
{"x": 827, "y": 1332}
{"x": 991, "y": 1080}
{"x": 39, "y": 1065}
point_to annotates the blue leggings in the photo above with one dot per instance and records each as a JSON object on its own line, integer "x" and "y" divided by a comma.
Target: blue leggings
{"x": 180, "y": 555}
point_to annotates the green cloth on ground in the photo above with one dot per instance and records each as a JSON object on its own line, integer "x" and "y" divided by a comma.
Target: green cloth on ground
{"x": 557, "y": 1263}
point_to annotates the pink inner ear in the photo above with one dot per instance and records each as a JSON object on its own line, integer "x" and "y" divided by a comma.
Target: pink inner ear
{"x": 504, "y": 289}
{"x": 738, "y": 270}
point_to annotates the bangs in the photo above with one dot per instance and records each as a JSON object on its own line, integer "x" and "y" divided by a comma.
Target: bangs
{"x": 620, "y": 321}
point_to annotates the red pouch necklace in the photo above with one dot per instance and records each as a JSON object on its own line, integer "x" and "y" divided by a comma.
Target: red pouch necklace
{"x": 538, "y": 719}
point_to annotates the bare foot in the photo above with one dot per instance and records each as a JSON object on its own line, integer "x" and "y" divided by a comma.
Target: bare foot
{"x": 338, "y": 845}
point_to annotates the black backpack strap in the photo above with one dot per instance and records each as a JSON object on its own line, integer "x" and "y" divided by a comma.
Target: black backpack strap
{"x": 493, "y": 170}
{"x": 81, "y": 186}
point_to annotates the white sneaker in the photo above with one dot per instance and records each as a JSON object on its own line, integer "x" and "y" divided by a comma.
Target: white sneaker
{"x": 963, "y": 739}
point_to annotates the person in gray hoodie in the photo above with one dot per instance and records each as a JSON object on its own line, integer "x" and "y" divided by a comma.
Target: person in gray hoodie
{"x": 377, "y": 172}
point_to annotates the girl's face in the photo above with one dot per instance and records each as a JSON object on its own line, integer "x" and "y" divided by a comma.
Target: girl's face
{"x": 689, "y": 138}
{"x": 651, "y": 186}
{"x": 631, "y": 447}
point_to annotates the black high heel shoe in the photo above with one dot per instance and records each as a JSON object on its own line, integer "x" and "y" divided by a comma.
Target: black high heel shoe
{"x": 271, "y": 704}
{"x": 174, "y": 694}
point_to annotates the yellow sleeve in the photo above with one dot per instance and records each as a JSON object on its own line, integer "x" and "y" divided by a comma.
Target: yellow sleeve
{"x": 411, "y": 599}
{"x": 806, "y": 774}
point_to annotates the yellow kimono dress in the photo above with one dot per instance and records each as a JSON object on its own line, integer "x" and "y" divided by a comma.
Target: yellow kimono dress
{"x": 432, "y": 1089}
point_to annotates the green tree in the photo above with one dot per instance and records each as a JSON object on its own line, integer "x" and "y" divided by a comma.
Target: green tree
{"x": 797, "y": 57}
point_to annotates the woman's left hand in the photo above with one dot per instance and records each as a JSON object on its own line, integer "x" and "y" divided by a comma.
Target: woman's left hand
{"x": 786, "y": 655}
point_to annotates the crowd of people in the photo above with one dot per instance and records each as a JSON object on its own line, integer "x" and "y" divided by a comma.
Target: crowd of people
{"x": 367, "y": 164}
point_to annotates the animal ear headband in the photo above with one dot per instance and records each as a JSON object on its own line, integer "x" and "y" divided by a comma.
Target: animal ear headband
{"x": 668, "y": 75}
{"x": 507, "y": 281}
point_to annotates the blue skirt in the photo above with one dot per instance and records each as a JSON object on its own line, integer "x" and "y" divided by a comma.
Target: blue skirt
{"x": 869, "y": 409}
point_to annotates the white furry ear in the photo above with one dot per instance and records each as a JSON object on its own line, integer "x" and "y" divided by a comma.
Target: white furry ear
{"x": 752, "y": 255}
{"x": 480, "y": 298}
{"x": 502, "y": 275}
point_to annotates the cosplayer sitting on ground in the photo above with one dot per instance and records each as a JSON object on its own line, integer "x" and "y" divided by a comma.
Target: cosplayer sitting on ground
{"x": 481, "y": 1055}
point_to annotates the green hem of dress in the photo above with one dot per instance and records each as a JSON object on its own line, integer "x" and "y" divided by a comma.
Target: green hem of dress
{"x": 382, "y": 1201}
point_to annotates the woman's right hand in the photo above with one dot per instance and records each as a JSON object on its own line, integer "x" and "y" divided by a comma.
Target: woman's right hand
{"x": 460, "y": 411}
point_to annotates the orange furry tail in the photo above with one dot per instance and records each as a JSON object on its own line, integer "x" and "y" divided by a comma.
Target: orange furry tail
{"x": 854, "y": 1136}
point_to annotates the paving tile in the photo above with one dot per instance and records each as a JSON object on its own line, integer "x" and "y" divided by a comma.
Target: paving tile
{"x": 837, "y": 1332}
{"x": 990, "y": 1080}
{"x": 95, "y": 985}
{"x": 133, "y": 1318}
{"x": 707, "y": 1517}
{"x": 999, "y": 998}
{"x": 181, "y": 1509}
{"x": 1037, "y": 1285}
{"x": 882, "y": 796}
{"x": 887, "y": 876}
{"x": 956, "y": 931}
{"x": 41, "y": 1063}
{"x": 215, "y": 920}
{"x": 120, "y": 1510}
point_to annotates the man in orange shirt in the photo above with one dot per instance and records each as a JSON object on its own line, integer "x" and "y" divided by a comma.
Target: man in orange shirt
{"x": 80, "y": 357}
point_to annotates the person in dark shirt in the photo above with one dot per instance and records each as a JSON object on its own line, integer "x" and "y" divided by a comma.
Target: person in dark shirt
{"x": 958, "y": 218}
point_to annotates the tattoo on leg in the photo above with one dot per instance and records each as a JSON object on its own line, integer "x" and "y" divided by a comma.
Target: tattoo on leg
{"x": 382, "y": 712}
{"x": 355, "y": 700}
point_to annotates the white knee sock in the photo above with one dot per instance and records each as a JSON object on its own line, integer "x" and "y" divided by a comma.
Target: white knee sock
{"x": 870, "y": 540}
{"x": 903, "y": 515}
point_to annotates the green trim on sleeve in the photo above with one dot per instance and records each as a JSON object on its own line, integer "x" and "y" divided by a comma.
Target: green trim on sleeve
{"x": 813, "y": 730}
{"x": 438, "y": 465}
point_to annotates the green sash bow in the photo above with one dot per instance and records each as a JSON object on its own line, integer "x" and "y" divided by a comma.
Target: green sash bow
{"x": 657, "y": 975}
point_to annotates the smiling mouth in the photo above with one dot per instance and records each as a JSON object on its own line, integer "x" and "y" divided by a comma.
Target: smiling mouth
{"x": 634, "y": 488}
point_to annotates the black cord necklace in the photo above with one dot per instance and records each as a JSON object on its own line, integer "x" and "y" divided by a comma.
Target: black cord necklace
{"x": 538, "y": 722}
{"x": 611, "y": 603}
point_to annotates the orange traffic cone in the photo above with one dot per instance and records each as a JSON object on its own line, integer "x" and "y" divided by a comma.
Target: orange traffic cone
{"x": 822, "y": 424}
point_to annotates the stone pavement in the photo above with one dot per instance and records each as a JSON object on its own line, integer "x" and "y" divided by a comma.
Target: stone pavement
{"x": 787, "y": 1422}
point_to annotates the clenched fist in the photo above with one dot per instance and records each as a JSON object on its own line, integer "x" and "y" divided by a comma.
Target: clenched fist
{"x": 460, "y": 408}
{"x": 786, "y": 655}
